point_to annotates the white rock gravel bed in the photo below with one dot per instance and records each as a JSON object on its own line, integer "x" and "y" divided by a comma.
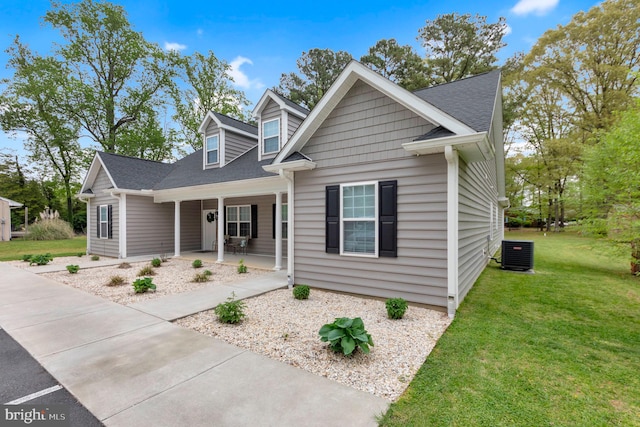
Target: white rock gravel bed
{"x": 285, "y": 329}
{"x": 172, "y": 277}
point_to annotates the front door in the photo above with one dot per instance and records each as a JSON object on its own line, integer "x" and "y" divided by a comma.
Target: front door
{"x": 209, "y": 230}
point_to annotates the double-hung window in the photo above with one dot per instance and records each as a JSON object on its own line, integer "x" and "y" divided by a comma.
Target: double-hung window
{"x": 213, "y": 149}
{"x": 104, "y": 222}
{"x": 359, "y": 225}
{"x": 271, "y": 136}
{"x": 239, "y": 221}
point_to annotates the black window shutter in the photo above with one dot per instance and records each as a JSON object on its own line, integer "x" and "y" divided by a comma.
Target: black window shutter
{"x": 98, "y": 221}
{"x": 110, "y": 219}
{"x": 332, "y": 237}
{"x": 388, "y": 227}
{"x": 254, "y": 221}
{"x": 273, "y": 221}
{"x": 222, "y": 215}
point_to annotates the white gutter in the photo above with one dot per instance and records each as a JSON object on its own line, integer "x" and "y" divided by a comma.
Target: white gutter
{"x": 452, "y": 230}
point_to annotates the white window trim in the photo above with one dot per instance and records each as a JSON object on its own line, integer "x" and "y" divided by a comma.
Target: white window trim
{"x": 237, "y": 222}
{"x": 374, "y": 219}
{"x": 206, "y": 152}
{"x": 262, "y": 138}
{"x": 106, "y": 221}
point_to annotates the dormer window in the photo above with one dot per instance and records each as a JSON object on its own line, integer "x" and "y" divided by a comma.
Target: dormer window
{"x": 213, "y": 149}
{"x": 271, "y": 136}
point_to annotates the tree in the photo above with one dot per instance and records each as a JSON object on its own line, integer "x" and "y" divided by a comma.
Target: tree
{"x": 593, "y": 61}
{"x": 207, "y": 87}
{"x": 31, "y": 106}
{"x": 458, "y": 46}
{"x": 113, "y": 74}
{"x": 400, "y": 64}
{"x": 318, "y": 70}
{"x": 18, "y": 187}
{"x": 612, "y": 177}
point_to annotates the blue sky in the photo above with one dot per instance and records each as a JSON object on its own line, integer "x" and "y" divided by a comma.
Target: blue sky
{"x": 262, "y": 40}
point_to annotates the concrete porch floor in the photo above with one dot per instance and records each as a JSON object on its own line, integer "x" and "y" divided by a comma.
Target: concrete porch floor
{"x": 264, "y": 262}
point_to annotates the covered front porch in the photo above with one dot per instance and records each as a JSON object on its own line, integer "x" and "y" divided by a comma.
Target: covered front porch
{"x": 230, "y": 221}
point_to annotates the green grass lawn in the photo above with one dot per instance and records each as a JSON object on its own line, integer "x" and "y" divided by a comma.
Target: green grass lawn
{"x": 560, "y": 347}
{"x": 14, "y": 249}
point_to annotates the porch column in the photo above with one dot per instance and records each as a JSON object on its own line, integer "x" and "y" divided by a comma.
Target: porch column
{"x": 278, "y": 221}
{"x": 220, "y": 237}
{"x": 176, "y": 229}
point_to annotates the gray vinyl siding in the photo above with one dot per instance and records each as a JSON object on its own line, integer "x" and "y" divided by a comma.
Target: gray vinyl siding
{"x": 361, "y": 141}
{"x": 419, "y": 273}
{"x": 104, "y": 247}
{"x": 293, "y": 125}
{"x": 190, "y": 226}
{"x": 235, "y": 145}
{"x": 149, "y": 226}
{"x": 264, "y": 244}
{"x": 477, "y": 196}
{"x": 366, "y": 126}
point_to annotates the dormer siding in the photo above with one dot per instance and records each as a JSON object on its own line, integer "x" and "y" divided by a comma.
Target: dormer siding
{"x": 236, "y": 145}
{"x": 231, "y": 144}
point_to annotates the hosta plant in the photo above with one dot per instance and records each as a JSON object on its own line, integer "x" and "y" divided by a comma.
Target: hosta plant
{"x": 345, "y": 335}
{"x": 40, "y": 259}
{"x": 396, "y": 307}
{"x": 142, "y": 285}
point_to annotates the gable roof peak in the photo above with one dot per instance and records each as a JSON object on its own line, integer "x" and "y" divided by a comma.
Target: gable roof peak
{"x": 284, "y": 103}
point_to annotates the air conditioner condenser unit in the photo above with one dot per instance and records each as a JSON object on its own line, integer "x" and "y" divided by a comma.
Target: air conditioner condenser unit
{"x": 517, "y": 255}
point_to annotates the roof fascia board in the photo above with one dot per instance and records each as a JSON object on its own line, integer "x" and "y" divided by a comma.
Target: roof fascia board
{"x": 296, "y": 165}
{"x": 210, "y": 116}
{"x": 93, "y": 173}
{"x": 247, "y": 187}
{"x": 355, "y": 71}
{"x": 475, "y": 147}
{"x": 146, "y": 193}
{"x": 264, "y": 100}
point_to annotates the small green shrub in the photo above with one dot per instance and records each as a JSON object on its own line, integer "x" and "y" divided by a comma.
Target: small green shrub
{"x": 396, "y": 308}
{"x": 146, "y": 271}
{"x": 241, "y": 267}
{"x": 115, "y": 281}
{"x": 156, "y": 262}
{"x": 200, "y": 277}
{"x": 231, "y": 311}
{"x": 80, "y": 254}
{"x": 142, "y": 285}
{"x": 40, "y": 259}
{"x": 50, "y": 229}
{"x": 73, "y": 269}
{"x": 124, "y": 265}
{"x": 95, "y": 257}
{"x": 26, "y": 258}
{"x": 301, "y": 292}
{"x": 196, "y": 263}
{"x": 345, "y": 335}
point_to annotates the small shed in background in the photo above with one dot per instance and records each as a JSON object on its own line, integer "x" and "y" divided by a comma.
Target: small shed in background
{"x": 5, "y": 217}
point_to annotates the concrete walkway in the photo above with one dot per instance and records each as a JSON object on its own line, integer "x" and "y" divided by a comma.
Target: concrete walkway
{"x": 130, "y": 368}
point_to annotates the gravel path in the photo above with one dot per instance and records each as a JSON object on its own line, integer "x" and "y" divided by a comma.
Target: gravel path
{"x": 172, "y": 277}
{"x": 285, "y": 329}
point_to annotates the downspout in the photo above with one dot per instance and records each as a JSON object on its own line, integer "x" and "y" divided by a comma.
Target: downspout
{"x": 288, "y": 176}
{"x": 452, "y": 230}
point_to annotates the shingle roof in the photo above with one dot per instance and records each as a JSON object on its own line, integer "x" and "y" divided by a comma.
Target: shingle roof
{"x": 230, "y": 121}
{"x": 470, "y": 100}
{"x": 292, "y": 104}
{"x": 188, "y": 171}
{"x": 132, "y": 173}
{"x": 437, "y": 132}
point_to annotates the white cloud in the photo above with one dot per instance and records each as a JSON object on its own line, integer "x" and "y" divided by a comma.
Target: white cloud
{"x": 174, "y": 46}
{"x": 240, "y": 78}
{"x": 539, "y": 7}
{"x": 507, "y": 29}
